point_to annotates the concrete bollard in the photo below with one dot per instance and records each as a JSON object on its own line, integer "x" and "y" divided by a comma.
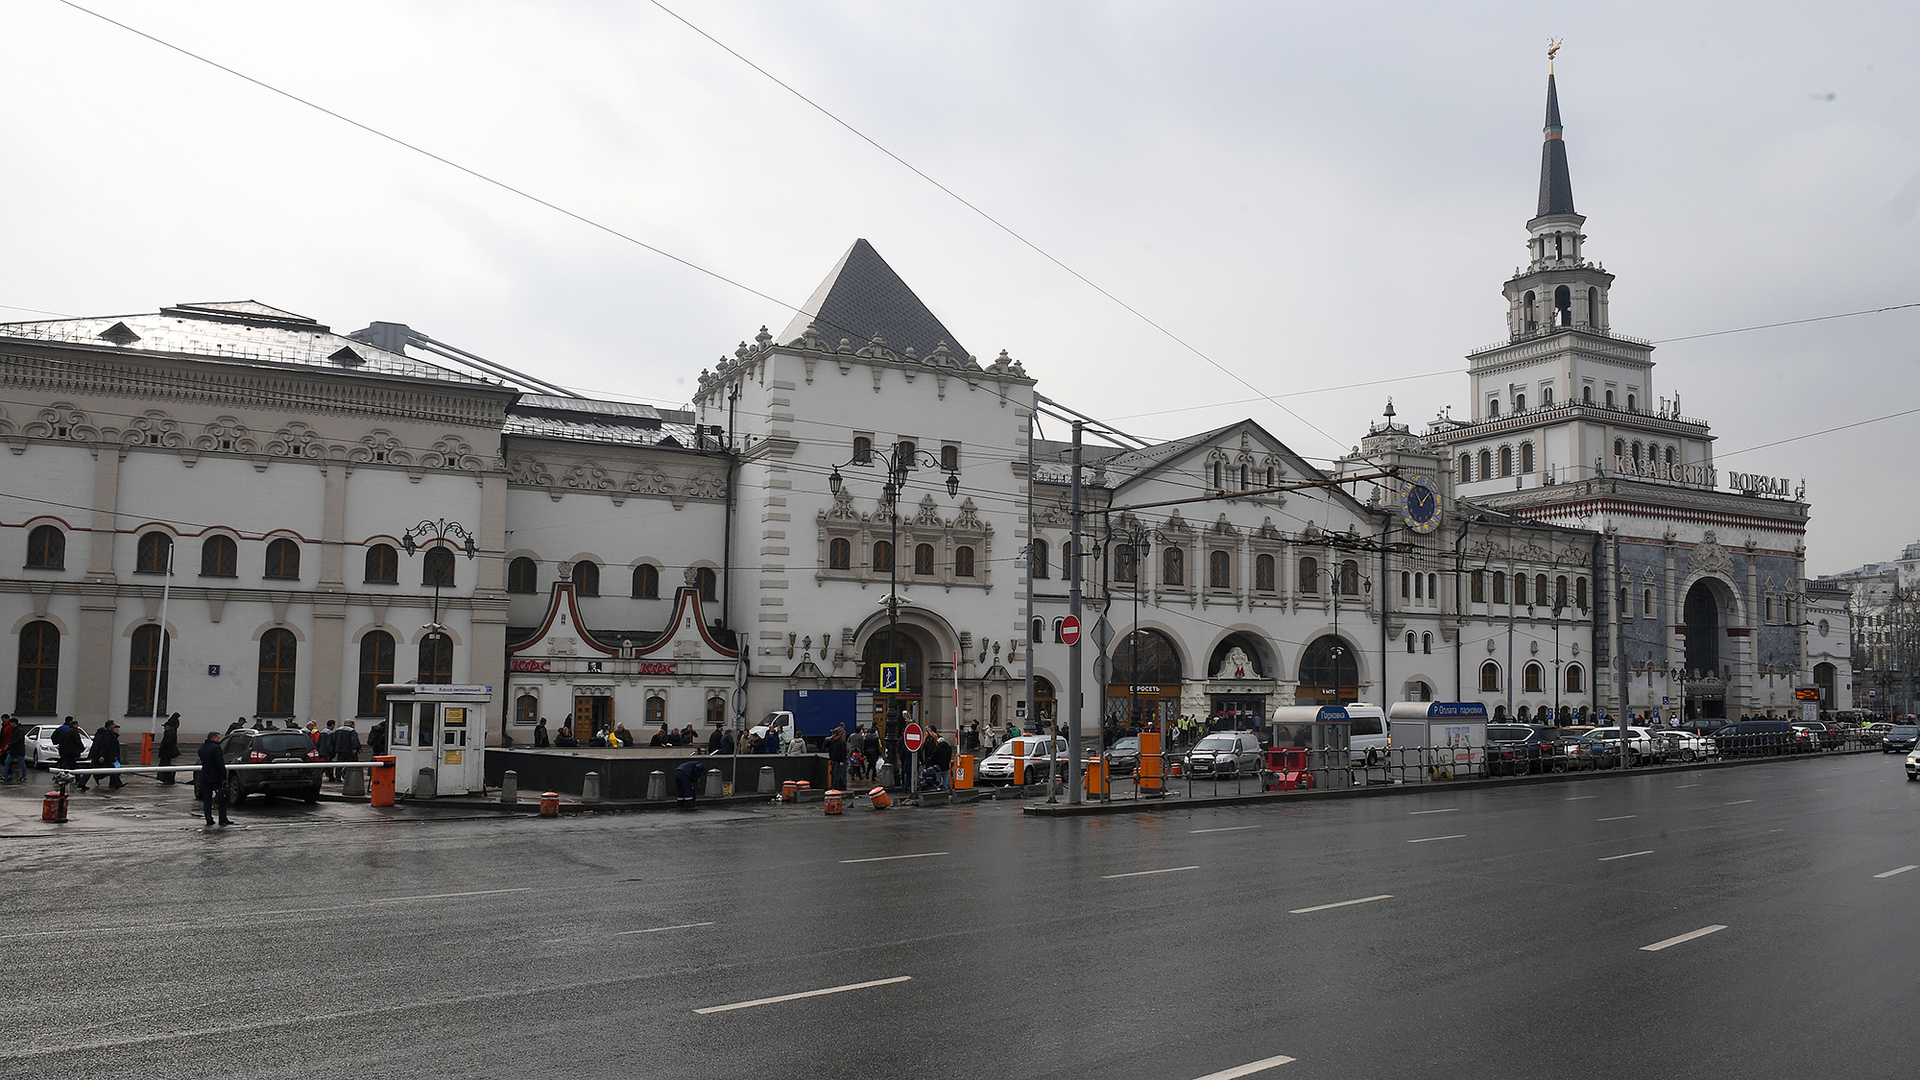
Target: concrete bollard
{"x": 888, "y": 776}
{"x": 768, "y": 785}
{"x": 590, "y": 788}
{"x": 510, "y": 788}
{"x": 424, "y": 786}
{"x": 714, "y": 783}
{"x": 656, "y": 784}
{"x": 353, "y": 783}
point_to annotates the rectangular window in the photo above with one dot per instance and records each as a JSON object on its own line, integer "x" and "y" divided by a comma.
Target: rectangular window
{"x": 1478, "y": 583}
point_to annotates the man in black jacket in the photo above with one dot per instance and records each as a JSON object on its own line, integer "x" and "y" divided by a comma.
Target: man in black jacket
{"x": 213, "y": 778}
{"x": 68, "y": 740}
{"x": 169, "y": 746}
{"x": 105, "y": 755}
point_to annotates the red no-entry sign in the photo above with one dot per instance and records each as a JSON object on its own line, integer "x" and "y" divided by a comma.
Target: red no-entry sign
{"x": 1070, "y": 630}
{"x": 912, "y": 738}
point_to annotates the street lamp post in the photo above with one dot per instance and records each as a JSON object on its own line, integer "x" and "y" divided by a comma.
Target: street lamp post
{"x": 1339, "y": 648}
{"x": 899, "y": 460}
{"x": 1558, "y": 608}
{"x": 431, "y": 535}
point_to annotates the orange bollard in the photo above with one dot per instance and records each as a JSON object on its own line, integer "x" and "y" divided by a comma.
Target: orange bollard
{"x": 1019, "y": 767}
{"x": 833, "y": 802}
{"x": 54, "y": 807}
{"x": 549, "y": 804}
{"x": 146, "y": 748}
{"x": 383, "y": 775}
{"x": 787, "y": 789}
{"x": 880, "y": 799}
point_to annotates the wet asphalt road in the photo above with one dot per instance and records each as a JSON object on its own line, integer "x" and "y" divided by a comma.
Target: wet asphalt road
{"x": 1500, "y": 933}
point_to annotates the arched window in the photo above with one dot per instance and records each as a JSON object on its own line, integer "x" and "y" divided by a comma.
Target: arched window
{"x": 839, "y": 554}
{"x": 436, "y": 659}
{"x": 150, "y": 652}
{"x": 383, "y": 566}
{"x": 1173, "y": 567}
{"x": 1506, "y": 461}
{"x": 716, "y": 712}
{"x": 950, "y": 458}
{"x": 882, "y": 557}
{"x": 1531, "y": 677}
{"x": 1619, "y": 448}
{"x": 1630, "y": 407}
{"x": 1309, "y": 574}
{"x": 153, "y": 554}
{"x": 656, "y": 711}
{"x": 1271, "y": 479}
{"x": 1526, "y": 457}
{"x": 1426, "y": 643}
{"x": 1593, "y": 307}
{"x": 1546, "y": 396}
{"x": 1039, "y": 558}
{"x": 907, "y": 451}
{"x": 436, "y": 567}
{"x": 1038, "y": 631}
{"x": 1433, "y": 587}
{"x": 1580, "y": 593}
{"x": 1646, "y": 604}
{"x": 586, "y": 578}
{"x": 523, "y": 576}
{"x": 1125, "y": 567}
{"x": 36, "y": 682}
{"x": 1419, "y": 586}
{"x": 1477, "y": 587}
{"x": 707, "y": 582}
{"x": 646, "y": 581}
{"x": 1520, "y": 402}
{"x": 1499, "y": 587}
{"x": 1059, "y": 631}
{"x": 1219, "y": 570}
{"x": 1529, "y": 321}
{"x": 1216, "y": 476}
{"x": 923, "y": 559}
{"x": 1636, "y": 451}
{"x": 1560, "y": 591}
{"x": 1576, "y": 679}
{"x": 1519, "y": 588}
{"x": 47, "y": 548}
{"x": 1406, "y": 585}
{"x": 1263, "y": 577}
{"x": 1350, "y": 578}
{"x": 1525, "y": 712}
{"x": 963, "y": 561}
{"x": 1609, "y": 399}
{"x": 1331, "y": 666}
{"x": 1493, "y": 407}
{"x": 1411, "y": 638}
{"x": 1540, "y": 588}
{"x": 1244, "y": 485}
{"x": 376, "y": 670}
{"x": 1562, "y": 296}
{"x": 863, "y": 449}
{"x": 1489, "y": 677}
{"x": 1586, "y": 395}
{"x": 1486, "y": 464}
{"x": 1466, "y": 468}
{"x": 279, "y": 661}
{"x": 283, "y": 564}
{"x": 1669, "y": 455}
{"x": 1145, "y": 656}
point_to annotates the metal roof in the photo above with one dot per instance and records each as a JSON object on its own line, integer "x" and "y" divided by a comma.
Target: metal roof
{"x": 861, "y": 297}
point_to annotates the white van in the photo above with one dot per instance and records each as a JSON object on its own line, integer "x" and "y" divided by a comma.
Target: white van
{"x": 1368, "y": 743}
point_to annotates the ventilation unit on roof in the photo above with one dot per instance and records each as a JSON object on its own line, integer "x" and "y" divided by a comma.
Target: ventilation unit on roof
{"x": 346, "y": 357}
{"x": 119, "y": 334}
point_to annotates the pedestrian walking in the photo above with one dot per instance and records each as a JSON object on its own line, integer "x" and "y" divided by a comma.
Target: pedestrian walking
{"x": 71, "y": 744}
{"x": 212, "y": 783}
{"x": 13, "y": 752}
{"x": 540, "y": 736}
{"x": 837, "y": 758}
{"x": 377, "y": 738}
{"x": 169, "y": 747}
{"x": 324, "y": 744}
{"x": 346, "y": 746}
{"x": 105, "y": 755}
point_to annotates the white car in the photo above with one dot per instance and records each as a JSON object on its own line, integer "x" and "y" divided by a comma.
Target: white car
{"x": 1913, "y": 765}
{"x": 1674, "y": 744}
{"x": 1639, "y": 741}
{"x": 41, "y": 753}
{"x": 1031, "y": 750}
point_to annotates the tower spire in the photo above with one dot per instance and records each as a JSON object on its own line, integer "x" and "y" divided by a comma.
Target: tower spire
{"x": 1556, "y": 185}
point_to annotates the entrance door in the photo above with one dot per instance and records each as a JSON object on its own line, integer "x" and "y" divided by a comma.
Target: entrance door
{"x": 590, "y": 714}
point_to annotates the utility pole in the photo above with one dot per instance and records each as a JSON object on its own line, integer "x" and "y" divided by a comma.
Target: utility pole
{"x": 1073, "y": 651}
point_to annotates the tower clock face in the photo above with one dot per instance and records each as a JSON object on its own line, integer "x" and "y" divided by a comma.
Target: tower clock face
{"x": 1421, "y": 508}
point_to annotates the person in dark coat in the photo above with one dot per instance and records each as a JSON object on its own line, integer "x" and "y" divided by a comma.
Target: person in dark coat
{"x": 169, "y": 747}
{"x": 713, "y": 740}
{"x": 346, "y": 745}
{"x": 323, "y": 742}
{"x": 105, "y": 755}
{"x": 566, "y": 738}
{"x": 15, "y": 753}
{"x": 837, "y": 758}
{"x": 540, "y": 736}
{"x": 213, "y": 778}
{"x": 686, "y": 780}
{"x": 68, "y": 740}
{"x": 377, "y": 738}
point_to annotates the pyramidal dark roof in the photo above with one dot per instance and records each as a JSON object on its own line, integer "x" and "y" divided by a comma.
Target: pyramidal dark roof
{"x": 861, "y": 297}
{"x": 1556, "y": 186}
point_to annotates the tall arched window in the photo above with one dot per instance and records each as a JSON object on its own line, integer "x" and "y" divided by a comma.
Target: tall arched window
{"x": 839, "y": 553}
{"x": 882, "y": 557}
{"x": 1059, "y": 631}
{"x": 283, "y": 561}
{"x": 646, "y": 582}
{"x": 1426, "y": 643}
{"x": 1466, "y": 468}
{"x": 586, "y": 578}
{"x": 46, "y": 548}
{"x": 656, "y": 711}
{"x": 1477, "y": 587}
{"x": 1038, "y": 556}
{"x": 1506, "y": 461}
{"x": 376, "y": 670}
{"x": 436, "y": 659}
{"x": 1630, "y": 405}
{"x": 1309, "y": 574}
{"x": 1489, "y": 677}
{"x": 1560, "y": 591}
{"x": 1406, "y": 585}
{"x": 523, "y": 576}
{"x": 148, "y": 654}
{"x": 1540, "y": 589}
{"x": 1580, "y": 593}
{"x": 1350, "y": 578}
{"x": 153, "y": 554}
{"x": 1486, "y": 464}
{"x": 1519, "y": 588}
{"x": 1125, "y": 567}
{"x": 436, "y": 567}
{"x": 923, "y": 559}
{"x": 716, "y": 712}
{"x": 1263, "y": 577}
{"x": 383, "y": 565}
{"x": 1531, "y": 677}
{"x": 1219, "y": 570}
{"x": 1576, "y": 679}
{"x": 1520, "y": 402}
{"x": 279, "y": 662}
{"x": 1609, "y": 399}
{"x": 1173, "y": 567}
{"x": 1410, "y": 642}
{"x": 36, "y": 682}
{"x": 707, "y": 582}
{"x": 1038, "y": 631}
{"x": 1499, "y": 586}
{"x": 963, "y": 561}
{"x": 1216, "y": 477}
{"x": 1586, "y": 395}
{"x": 1526, "y": 457}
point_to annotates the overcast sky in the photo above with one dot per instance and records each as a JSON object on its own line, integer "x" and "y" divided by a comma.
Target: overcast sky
{"x": 1312, "y": 195}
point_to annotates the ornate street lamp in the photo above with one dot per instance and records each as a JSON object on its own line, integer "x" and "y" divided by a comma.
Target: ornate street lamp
{"x": 436, "y": 535}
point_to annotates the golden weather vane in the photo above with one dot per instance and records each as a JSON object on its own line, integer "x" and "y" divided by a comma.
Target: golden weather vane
{"x": 1553, "y": 46}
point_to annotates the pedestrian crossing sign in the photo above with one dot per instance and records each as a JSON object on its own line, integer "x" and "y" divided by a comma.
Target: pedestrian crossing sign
{"x": 889, "y": 678}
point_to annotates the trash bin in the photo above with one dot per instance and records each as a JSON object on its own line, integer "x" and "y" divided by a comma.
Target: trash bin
{"x": 833, "y": 801}
{"x": 549, "y": 804}
{"x": 880, "y": 799}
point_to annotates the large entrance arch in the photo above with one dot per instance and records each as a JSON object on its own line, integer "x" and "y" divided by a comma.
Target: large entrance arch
{"x": 896, "y": 710}
{"x": 1144, "y": 688}
{"x": 1329, "y": 672}
{"x": 1706, "y": 624}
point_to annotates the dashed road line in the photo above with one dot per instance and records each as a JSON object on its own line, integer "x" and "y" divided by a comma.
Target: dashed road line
{"x": 1628, "y": 855}
{"x": 658, "y": 929}
{"x": 890, "y": 858}
{"x": 1431, "y": 839}
{"x": 1689, "y": 936}
{"x": 803, "y": 994}
{"x": 1738, "y": 802}
{"x": 1577, "y": 798}
{"x": 1343, "y": 903}
{"x": 1900, "y": 870}
{"x": 1248, "y": 1069}
{"x": 1448, "y": 810}
{"x": 445, "y": 895}
{"x": 1622, "y": 817}
{"x": 1231, "y": 828}
{"x": 1144, "y": 873}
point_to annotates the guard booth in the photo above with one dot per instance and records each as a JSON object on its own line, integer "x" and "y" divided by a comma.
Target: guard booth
{"x": 437, "y": 735}
{"x": 1451, "y": 735}
{"x": 1325, "y": 731}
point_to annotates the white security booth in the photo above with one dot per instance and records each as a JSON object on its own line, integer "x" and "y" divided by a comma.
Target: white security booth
{"x": 437, "y": 735}
{"x": 1449, "y": 737}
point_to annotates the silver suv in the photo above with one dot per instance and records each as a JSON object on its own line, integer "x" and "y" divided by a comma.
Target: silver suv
{"x": 1225, "y": 753}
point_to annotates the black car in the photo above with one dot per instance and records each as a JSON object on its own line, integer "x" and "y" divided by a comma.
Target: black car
{"x": 1513, "y": 749}
{"x": 251, "y": 747}
{"x": 1900, "y": 740}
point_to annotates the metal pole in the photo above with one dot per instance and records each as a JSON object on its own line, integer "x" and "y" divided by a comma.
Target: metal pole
{"x": 1033, "y": 707}
{"x": 895, "y": 477}
{"x": 1073, "y": 651}
{"x": 160, "y": 647}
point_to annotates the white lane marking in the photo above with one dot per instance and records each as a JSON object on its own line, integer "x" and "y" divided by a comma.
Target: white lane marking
{"x": 1233, "y": 828}
{"x": 1737, "y": 802}
{"x": 803, "y": 994}
{"x": 658, "y": 929}
{"x": 1679, "y": 786}
{"x": 1448, "y": 810}
{"x": 1248, "y": 1069}
{"x": 1702, "y": 932}
{"x": 1343, "y": 903}
{"x": 1144, "y": 873}
{"x": 1577, "y": 798}
{"x": 1622, "y": 817}
{"x": 1430, "y": 839}
{"x": 1628, "y": 855}
{"x": 890, "y": 858}
{"x": 445, "y": 895}
{"x": 1901, "y": 870}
